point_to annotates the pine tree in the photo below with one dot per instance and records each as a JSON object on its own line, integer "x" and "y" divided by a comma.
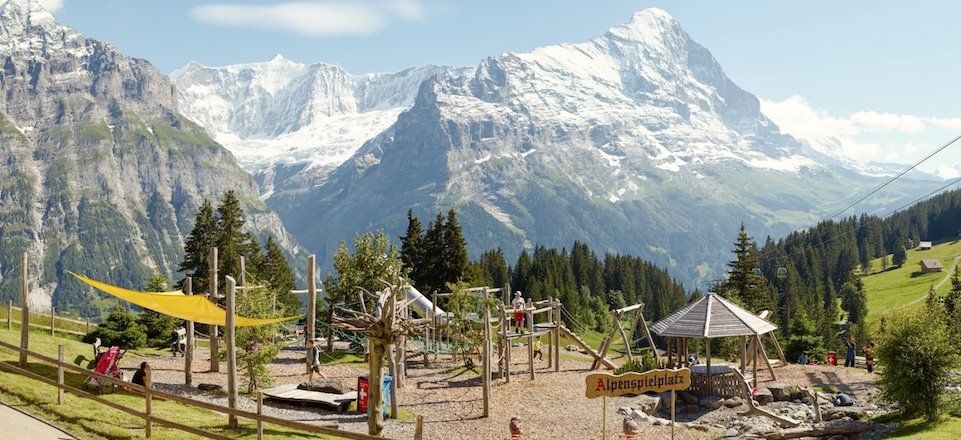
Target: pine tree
{"x": 232, "y": 241}
{"x": 197, "y": 248}
{"x": 455, "y": 250}
{"x": 433, "y": 257}
{"x": 900, "y": 256}
{"x": 274, "y": 270}
{"x": 412, "y": 251}
{"x": 744, "y": 283}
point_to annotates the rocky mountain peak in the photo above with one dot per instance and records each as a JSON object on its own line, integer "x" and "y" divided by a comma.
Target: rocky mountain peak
{"x": 650, "y": 26}
{"x": 26, "y": 27}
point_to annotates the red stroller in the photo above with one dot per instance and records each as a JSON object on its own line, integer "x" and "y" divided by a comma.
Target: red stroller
{"x": 107, "y": 365}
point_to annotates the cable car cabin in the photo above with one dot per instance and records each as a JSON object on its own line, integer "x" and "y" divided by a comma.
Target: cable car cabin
{"x": 756, "y": 270}
{"x": 782, "y": 272}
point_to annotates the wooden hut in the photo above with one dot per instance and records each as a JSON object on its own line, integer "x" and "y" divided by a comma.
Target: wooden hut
{"x": 931, "y": 266}
{"x": 708, "y": 318}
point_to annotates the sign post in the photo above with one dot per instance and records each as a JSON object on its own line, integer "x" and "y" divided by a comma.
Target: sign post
{"x": 658, "y": 381}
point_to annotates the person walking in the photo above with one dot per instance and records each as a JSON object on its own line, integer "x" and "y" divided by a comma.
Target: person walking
{"x": 174, "y": 342}
{"x": 313, "y": 353}
{"x": 849, "y": 356}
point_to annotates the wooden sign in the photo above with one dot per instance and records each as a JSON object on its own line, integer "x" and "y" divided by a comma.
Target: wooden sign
{"x": 604, "y": 384}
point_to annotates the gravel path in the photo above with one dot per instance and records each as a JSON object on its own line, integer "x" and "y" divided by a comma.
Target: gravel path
{"x": 553, "y": 406}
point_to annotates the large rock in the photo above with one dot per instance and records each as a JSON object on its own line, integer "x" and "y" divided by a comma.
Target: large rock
{"x": 783, "y": 392}
{"x": 209, "y": 387}
{"x": 647, "y": 404}
{"x": 711, "y": 402}
{"x": 837, "y": 413}
{"x": 763, "y": 396}
{"x": 687, "y": 397}
{"x": 333, "y": 386}
{"x": 733, "y": 402}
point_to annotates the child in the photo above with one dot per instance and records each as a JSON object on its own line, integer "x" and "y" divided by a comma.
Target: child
{"x": 537, "y": 350}
{"x": 313, "y": 351}
{"x": 518, "y": 304}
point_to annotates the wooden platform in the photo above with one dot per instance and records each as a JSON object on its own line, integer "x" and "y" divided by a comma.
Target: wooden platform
{"x": 290, "y": 393}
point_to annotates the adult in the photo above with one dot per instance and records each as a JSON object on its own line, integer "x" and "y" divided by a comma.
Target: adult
{"x": 803, "y": 358}
{"x": 849, "y": 356}
{"x": 518, "y": 305}
{"x": 313, "y": 353}
{"x": 138, "y": 376}
{"x": 842, "y": 399}
{"x": 174, "y": 342}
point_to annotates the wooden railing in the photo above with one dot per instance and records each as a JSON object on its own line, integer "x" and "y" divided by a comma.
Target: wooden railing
{"x": 51, "y": 316}
{"x": 149, "y": 394}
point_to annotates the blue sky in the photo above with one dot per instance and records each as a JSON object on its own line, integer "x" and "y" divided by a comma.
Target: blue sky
{"x": 878, "y": 76}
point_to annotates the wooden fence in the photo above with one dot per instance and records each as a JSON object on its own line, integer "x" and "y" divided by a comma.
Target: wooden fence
{"x": 52, "y": 325}
{"x": 149, "y": 394}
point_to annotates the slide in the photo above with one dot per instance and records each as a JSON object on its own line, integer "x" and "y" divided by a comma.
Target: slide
{"x": 423, "y": 306}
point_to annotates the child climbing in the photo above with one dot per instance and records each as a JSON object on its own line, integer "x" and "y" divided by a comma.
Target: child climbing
{"x": 518, "y": 304}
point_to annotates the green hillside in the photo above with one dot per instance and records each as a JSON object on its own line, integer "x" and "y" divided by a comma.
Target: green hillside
{"x": 894, "y": 288}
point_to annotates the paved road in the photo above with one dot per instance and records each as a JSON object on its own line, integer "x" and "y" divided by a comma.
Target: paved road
{"x": 15, "y": 425}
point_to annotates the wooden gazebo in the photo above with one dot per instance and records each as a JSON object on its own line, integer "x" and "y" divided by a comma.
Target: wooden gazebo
{"x": 708, "y": 318}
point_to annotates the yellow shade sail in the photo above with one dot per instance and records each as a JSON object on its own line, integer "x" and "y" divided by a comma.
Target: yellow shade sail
{"x": 196, "y": 308}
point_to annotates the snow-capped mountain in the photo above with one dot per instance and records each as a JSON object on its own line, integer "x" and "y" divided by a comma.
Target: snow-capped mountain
{"x": 99, "y": 173}
{"x": 283, "y": 114}
{"x": 633, "y": 142}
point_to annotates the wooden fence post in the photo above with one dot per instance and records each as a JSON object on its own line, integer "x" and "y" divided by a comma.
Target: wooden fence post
{"x": 189, "y": 349}
{"x": 147, "y": 383}
{"x": 24, "y": 313}
{"x": 419, "y": 428}
{"x": 88, "y": 325}
{"x": 214, "y": 343}
{"x": 53, "y": 318}
{"x": 229, "y": 337}
{"x": 10, "y": 315}
{"x": 310, "y": 330}
{"x": 260, "y": 411}
{"x": 60, "y": 375}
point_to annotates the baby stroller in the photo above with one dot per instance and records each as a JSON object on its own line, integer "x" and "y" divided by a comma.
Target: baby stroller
{"x": 107, "y": 364}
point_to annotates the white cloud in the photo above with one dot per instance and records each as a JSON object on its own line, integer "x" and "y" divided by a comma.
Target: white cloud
{"x": 52, "y": 5}
{"x": 867, "y": 136}
{"x": 313, "y": 18}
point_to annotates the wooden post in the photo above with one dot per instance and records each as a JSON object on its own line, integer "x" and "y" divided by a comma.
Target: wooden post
{"x": 10, "y": 315}
{"x": 189, "y": 352}
{"x": 260, "y": 410}
{"x": 60, "y": 374}
{"x": 767, "y": 361}
{"x": 311, "y": 328}
{"x": 507, "y": 352}
{"x": 743, "y": 354}
{"x": 214, "y": 343}
{"x": 242, "y": 277}
{"x": 486, "y": 361}
{"x": 670, "y": 358}
{"x": 647, "y": 331}
{"x": 229, "y": 338}
{"x": 419, "y": 428}
{"x": 550, "y": 337}
{"x": 53, "y": 317}
{"x": 673, "y": 399}
{"x": 557, "y": 336}
{"x": 710, "y": 388}
{"x": 87, "y": 330}
{"x": 148, "y": 418}
{"x": 24, "y": 313}
{"x": 530, "y": 339}
{"x": 754, "y": 354}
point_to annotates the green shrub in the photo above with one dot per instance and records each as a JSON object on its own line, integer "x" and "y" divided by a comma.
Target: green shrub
{"x": 641, "y": 363}
{"x": 121, "y": 329}
{"x": 917, "y": 357}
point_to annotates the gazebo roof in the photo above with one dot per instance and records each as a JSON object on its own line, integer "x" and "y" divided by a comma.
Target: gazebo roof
{"x": 712, "y": 317}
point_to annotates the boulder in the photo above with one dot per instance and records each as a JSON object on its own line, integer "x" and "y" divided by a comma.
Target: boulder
{"x": 333, "y": 386}
{"x": 733, "y": 402}
{"x": 687, "y": 397}
{"x": 648, "y": 404}
{"x": 209, "y": 387}
{"x": 640, "y": 416}
{"x": 711, "y": 402}
{"x": 571, "y": 348}
{"x": 624, "y": 410}
{"x": 837, "y": 413}
{"x": 783, "y": 392}
{"x": 763, "y": 396}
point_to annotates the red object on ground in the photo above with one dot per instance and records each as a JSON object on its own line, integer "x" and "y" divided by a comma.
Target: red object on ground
{"x": 832, "y": 358}
{"x": 362, "y": 388}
